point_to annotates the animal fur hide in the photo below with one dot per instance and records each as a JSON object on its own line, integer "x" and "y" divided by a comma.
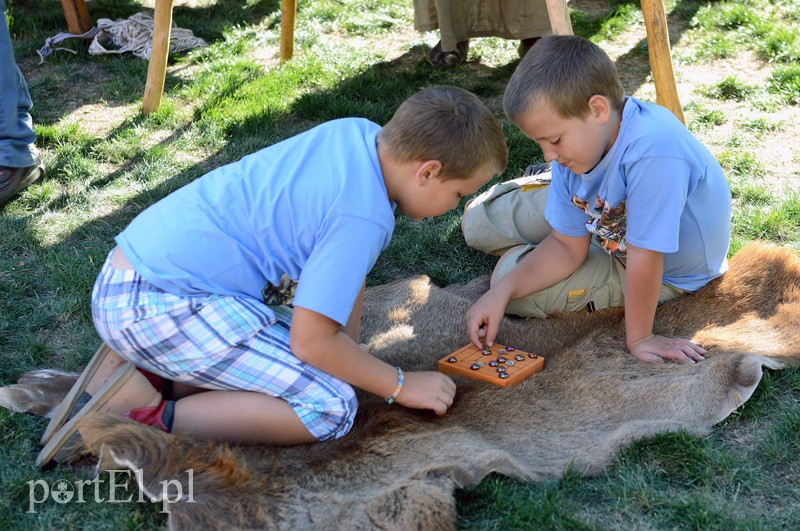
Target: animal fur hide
{"x": 398, "y": 468}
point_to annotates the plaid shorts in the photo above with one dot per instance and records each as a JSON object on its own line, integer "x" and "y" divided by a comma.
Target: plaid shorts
{"x": 217, "y": 342}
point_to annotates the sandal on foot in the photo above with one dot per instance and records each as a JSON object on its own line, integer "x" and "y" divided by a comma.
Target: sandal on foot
{"x": 77, "y": 397}
{"x": 66, "y": 444}
{"x": 451, "y": 58}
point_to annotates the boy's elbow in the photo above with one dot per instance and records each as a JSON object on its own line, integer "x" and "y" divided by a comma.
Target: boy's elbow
{"x": 304, "y": 347}
{"x": 578, "y": 254}
{"x": 301, "y": 348}
{"x": 577, "y": 247}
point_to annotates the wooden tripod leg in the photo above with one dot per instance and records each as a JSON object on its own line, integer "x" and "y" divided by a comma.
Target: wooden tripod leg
{"x": 655, "y": 20}
{"x": 157, "y": 67}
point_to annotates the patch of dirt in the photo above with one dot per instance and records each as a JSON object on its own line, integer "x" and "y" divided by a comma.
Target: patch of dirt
{"x": 77, "y": 87}
{"x": 98, "y": 119}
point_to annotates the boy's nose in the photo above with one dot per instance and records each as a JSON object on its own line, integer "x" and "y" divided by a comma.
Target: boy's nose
{"x": 549, "y": 155}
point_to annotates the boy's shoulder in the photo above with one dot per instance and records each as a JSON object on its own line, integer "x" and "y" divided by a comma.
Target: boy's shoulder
{"x": 647, "y": 116}
{"x": 343, "y": 129}
{"x": 334, "y": 136}
{"x": 653, "y": 127}
{"x": 352, "y": 123}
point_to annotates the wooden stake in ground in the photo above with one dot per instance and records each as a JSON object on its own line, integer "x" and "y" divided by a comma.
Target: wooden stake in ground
{"x": 559, "y": 17}
{"x": 288, "y": 12}
{"x": 157, "y": 67}
{"x": 77, "y": 16}
{"x": 655, "y": 20}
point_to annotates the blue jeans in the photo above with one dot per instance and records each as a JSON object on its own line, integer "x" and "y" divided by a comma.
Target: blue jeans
{"x": 16, "y": 126}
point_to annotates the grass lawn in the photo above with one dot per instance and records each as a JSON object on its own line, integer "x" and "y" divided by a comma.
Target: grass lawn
{"x": 739, "y": 83}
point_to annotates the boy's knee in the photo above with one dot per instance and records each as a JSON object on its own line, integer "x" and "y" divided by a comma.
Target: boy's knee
{"x": 339, "y": 415}
{"x": 530, "y": 306}
{"x": 508, "y": 261}
{"x": 466, "y": 217}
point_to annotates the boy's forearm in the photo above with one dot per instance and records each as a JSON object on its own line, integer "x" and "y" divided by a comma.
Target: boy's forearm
{"x": 322, "y": 343}
{"x": 553, "y": 260}
{"x": 643, "y": 278}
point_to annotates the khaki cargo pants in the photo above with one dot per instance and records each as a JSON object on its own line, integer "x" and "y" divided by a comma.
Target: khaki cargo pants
{"x": 511, "y": 214}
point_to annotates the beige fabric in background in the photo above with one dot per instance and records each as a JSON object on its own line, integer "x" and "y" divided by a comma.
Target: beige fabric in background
{"x": 459, "y": 20}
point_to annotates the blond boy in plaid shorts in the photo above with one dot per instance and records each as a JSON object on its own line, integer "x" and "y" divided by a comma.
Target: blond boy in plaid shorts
{"x": 243, "y": 289}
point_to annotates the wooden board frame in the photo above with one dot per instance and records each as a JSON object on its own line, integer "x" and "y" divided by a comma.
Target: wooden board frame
{"x": 474, "y": 363}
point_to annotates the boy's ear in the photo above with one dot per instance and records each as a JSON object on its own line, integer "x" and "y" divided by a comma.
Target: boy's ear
{"x": 428, "y": 170}
{"x": 600, "y": 108}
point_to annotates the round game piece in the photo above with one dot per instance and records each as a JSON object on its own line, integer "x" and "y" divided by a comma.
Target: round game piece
{"x": 502, "y": 352}
{"x": 486, "y": 351}
{"x": 451, "y": 359}
{"x": 501, "y": 359}
{"x": 509, "y": 363}
{"x": 479, "y": 364}
{"x": 501, "y": 369}
{"x": 510, "y": 348}
{"x": 519, "y": 357}
{"x": 474, "y": 366}
{"x": 503, "y": 375}
{"x": 492, "y": 363}
{"x": 533, "y": 355}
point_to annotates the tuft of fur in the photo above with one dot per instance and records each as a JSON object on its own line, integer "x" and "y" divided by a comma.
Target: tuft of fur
{"x": 37, "y": 392}
{"x": 398, "y": 468}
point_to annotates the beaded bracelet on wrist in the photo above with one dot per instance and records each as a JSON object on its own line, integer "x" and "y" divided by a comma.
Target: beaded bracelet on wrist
{"x": 400, "y": 377}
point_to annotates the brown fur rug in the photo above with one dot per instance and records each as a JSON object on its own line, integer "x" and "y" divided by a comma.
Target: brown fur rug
{"x": 398, "y": 468}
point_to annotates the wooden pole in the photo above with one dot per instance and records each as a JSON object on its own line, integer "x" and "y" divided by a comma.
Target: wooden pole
{"x": 559, "y": 17}
{"x": 77, "y": 16}
{"x": 157, "y": 67}
{"x": 655, "y": 21}
{"x": 288, "y": 12}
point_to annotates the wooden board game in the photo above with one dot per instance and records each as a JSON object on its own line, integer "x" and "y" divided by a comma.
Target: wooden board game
{"x": 502, "y": 365}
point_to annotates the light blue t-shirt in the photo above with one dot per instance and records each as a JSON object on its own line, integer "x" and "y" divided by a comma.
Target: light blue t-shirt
{"x": 313, "y": 207}
{"x": 657, "y": 188}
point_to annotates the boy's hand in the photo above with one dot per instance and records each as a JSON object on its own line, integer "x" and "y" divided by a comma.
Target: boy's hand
{"x": 483, "y": 318}
{"x": 427, "y": 390}
{"x": 656, "y": 349}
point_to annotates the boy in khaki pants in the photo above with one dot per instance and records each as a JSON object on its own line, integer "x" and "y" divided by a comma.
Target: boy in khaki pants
{"x": 637, "y": 211}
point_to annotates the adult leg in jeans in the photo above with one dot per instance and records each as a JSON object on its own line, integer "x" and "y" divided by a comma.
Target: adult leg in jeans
{"x": 20, "y": 164}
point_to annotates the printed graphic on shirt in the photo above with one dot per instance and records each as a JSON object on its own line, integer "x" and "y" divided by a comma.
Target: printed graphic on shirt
{"x": 607, "y": 223}
{"x": 282, "y": 295}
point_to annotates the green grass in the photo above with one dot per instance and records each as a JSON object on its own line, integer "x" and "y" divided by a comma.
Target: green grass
{"x": 704, "y": 118}
{"x": 232, "y": 97}
{"x": 731, "y": 88}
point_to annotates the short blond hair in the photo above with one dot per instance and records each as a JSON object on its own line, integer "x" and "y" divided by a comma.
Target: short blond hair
{"x": 448, "y": 124}
{"x": 564, "y": 71}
